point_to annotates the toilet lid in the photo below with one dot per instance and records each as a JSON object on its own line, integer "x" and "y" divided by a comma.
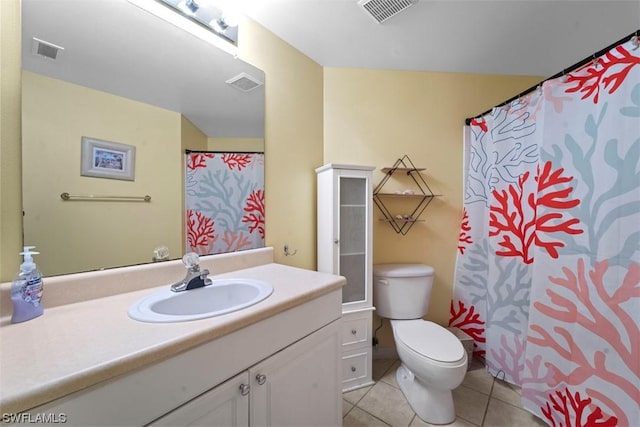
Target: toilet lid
{"x": 430, "y": 340}
{"x": 402, "y": 270}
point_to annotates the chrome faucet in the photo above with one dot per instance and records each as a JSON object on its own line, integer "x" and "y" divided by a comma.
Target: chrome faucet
{"x": 195, "y": 277}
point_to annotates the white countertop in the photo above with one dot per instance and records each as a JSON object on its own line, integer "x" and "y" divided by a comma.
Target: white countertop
{"x": 73, "y": 346}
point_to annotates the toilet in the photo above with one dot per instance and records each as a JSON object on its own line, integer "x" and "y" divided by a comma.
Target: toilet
{"x": 433, "y": 360}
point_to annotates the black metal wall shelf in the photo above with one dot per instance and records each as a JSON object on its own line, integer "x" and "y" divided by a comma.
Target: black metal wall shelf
{"x": 420, "y": 195}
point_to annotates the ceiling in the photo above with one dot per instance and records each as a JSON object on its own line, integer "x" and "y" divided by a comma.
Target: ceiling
{"x": 116, "y": 47}
{"x": 520, "y": 37}
{"x": 170, "y": 68}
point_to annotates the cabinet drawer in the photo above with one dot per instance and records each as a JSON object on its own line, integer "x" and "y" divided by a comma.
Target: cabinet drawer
{"x": 355, "y": 368}
{"x": 355, "y": 330}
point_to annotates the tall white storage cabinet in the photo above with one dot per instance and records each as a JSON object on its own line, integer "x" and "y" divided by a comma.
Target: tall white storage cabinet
{"x": 345, "y": 247}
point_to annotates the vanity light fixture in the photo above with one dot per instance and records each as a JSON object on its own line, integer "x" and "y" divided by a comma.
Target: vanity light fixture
{"x": 219, "y": 24}
{"x": 190, "y": 7}
{"x": 174, "y": 17}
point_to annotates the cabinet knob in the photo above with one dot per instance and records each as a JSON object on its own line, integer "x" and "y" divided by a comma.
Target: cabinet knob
{"x": 353, "y": 332}
{"x": 244, "y": 389}
{"x": 261, "y": 379}
{"x": 336, "y": 241}
{"x": 353, "y": 369}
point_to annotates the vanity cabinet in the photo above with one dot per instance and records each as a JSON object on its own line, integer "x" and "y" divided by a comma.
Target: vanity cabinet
{"x": 295, "y": 387}
{"x": 281, "y": 370}
{"x": 345, "y": 247}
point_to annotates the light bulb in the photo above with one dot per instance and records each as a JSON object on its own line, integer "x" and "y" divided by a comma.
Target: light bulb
{"x": 232, "y": 17}
{"x": 190, "y": 7}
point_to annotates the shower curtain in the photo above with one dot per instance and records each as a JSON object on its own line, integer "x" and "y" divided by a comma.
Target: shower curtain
{"x": 548, "y": 271}
{"x": 224, "y": 201}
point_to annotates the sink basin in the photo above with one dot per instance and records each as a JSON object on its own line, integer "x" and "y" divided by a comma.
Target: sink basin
{"x": 221, "y": 297}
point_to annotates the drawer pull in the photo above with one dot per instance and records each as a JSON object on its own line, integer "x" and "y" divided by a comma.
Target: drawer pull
{"x": 244, "y": 389}
{"x": 353, "y": 332}
{"x": 353, "y": 369}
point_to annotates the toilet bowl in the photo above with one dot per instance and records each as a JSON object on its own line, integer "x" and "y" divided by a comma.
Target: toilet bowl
{"x": 433, "y": 360}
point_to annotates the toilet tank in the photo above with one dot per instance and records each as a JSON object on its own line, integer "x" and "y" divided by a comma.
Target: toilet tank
{"x": 402, "y": 291}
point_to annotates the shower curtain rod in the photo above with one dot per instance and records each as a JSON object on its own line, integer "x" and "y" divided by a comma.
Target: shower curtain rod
{"x": 560, "y": 74}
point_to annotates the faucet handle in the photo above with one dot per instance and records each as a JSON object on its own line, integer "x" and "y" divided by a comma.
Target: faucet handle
{"x": 191, "y": 259}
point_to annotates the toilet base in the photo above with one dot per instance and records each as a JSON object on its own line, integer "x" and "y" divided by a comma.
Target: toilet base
{"x": 432, "y": 406}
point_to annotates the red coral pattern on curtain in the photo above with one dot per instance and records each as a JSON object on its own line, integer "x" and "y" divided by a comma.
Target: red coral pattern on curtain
{"x": 255, "y": 212}
{"x": 608, "y": 71}
{"x": 198, "y": 160}
{"x": 200, "y": 230}
{"x": 464, "y": 239}
{"x": 225, "y": 190}
{"x": 569, "y": 410}
{"x": 236, "y": 160}
{"x": 467, "y": 320}
{"x": 547, "y": 278}
{"x": 514, "y": 214}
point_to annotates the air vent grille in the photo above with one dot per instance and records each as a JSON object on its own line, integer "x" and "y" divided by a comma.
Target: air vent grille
{"x": 381, "y": 10}
{"x": 244, "y": 82}
{"x": 45, "y": 49}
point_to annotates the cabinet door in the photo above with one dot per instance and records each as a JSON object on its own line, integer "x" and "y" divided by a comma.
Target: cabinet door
{"x": 353, "y": 204}
{"x": 300, "y": 385}
{"x": 224, "y": 405}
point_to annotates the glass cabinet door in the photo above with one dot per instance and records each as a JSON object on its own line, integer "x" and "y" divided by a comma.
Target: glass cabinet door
{"x": 353, "y": 237}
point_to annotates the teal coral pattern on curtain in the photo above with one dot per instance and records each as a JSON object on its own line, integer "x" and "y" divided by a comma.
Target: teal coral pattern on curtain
{"x": 224, "y": 200}
{"x": 548, "y": 270}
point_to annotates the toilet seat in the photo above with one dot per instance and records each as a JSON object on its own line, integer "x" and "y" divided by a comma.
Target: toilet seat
{"x": 429, "y": 340}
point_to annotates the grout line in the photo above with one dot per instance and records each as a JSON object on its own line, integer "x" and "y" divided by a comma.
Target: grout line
{"x": 361, "y": 397}
{"x": 379, "y": 419}
{"x": 350, "y": 409}
{"x": 370, "y": 414}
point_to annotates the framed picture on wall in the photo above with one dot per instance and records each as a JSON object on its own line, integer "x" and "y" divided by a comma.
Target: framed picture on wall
{"x": 106, "y": 159}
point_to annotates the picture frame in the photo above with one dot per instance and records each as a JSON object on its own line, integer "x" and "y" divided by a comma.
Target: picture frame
{"x": 106, "y": 159}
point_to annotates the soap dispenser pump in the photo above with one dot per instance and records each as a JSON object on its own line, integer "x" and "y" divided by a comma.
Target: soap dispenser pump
{"x": 26, "y": 289}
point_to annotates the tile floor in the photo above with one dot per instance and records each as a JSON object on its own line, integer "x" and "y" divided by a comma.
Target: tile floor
{"x": 383, "y": 404}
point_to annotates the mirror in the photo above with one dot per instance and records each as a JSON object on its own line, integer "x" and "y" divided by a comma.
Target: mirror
{"x": 120, "y": 75}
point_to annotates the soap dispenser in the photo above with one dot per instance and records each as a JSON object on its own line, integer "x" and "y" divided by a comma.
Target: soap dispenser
{"x": 26, "y": 289}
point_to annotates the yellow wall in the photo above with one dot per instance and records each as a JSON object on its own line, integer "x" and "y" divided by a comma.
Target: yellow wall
{"x": 192, "y": 139}
{"x": 374, "y": 117}
{"x": 191, "y": 136}
{"x": 10, "y": 137}
{"x": 293, "y": 142}
{"x": 55, "y": 118}
{"x": 237, "y": 144}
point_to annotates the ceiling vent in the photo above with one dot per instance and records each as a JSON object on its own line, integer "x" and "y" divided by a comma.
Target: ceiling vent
{"x": 45, "y": 49}
{"x": 244, "y": 82}
{"x": 381, "y": 10}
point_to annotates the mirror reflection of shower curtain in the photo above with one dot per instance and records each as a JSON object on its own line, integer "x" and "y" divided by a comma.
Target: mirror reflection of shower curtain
{"x": 224, "y": 201}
